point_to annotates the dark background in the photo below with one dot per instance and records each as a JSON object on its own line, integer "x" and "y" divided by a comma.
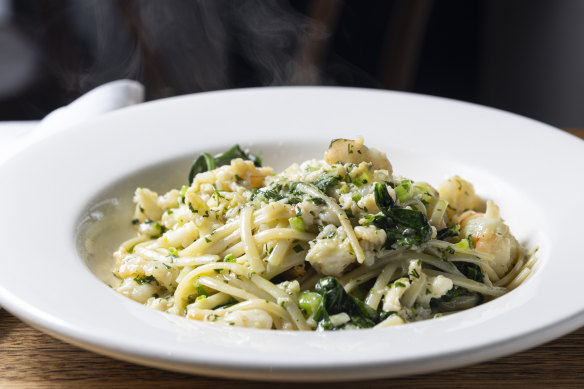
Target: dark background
{"x": 524, "y": 56}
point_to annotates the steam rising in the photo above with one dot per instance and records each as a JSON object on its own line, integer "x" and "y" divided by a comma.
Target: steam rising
{"x": 178, "y": 47}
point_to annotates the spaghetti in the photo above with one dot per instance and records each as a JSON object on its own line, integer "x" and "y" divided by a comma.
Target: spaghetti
{"x": 329, "y": 244}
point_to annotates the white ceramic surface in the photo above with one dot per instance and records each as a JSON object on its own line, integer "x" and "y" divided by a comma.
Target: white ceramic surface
{"x": 60, "y": 198}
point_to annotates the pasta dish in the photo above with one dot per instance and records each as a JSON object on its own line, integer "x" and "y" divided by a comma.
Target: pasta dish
{"x": 338, "y": 243}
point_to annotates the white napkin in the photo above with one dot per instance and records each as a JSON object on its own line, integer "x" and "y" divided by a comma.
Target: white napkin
{"x": 104, "y": 98}
{"x": 14, "y": 136}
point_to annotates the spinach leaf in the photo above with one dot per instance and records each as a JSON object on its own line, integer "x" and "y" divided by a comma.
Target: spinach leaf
{"x": 456, "y": 299}
{"x": 383, "y": 199}
{"x": 470, "y": 270}
{"x": 203, "y": 163}
{"x": 448, "y": 232}
{"x": 236, "y": 152}
{"x": 206, "y": 162}
{"x": 325, "y": 181}
{"x": 456, "y": 291}
{"x": 336, "y": 300}
{"x": 404, "y": 227}
{"x": 385, "y": 314}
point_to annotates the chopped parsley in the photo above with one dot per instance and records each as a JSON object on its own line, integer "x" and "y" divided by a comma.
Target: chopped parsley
{"x": 414, "y": 274}
{"x": 297, "y": 248}
{"x": 145, "y": 280}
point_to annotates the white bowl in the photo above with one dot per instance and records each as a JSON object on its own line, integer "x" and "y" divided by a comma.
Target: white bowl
{"x": 66, "y": 206}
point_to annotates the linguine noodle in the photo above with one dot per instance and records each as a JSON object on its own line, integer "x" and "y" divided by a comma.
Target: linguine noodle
{"x": 328, "y": 244}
